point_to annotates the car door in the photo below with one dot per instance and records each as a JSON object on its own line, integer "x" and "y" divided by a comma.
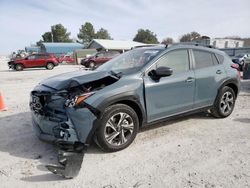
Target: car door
{"x": 100, "y": 58}
{"x": 40, "y": 60}
{"x": 107, "y": 56}
{"x": 209, "y": 74}
{"x": 29, "y": 61}
{"x": 173, "y": 94}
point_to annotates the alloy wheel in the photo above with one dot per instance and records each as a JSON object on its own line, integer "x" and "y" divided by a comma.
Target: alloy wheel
{"x": 227, "y": 102}
{"x": 119, "y": 129}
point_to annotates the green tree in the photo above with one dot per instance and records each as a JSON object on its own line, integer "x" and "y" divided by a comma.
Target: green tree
{"x": 47, "y": 37}
{"x": 39, "y": 43}
{"x": 60, "y": 34}
{"x": 86, "y": 32}
{"x": 102, "y": 34}
{"x": 146, "y": 36}
{"x": 167, "y": 40}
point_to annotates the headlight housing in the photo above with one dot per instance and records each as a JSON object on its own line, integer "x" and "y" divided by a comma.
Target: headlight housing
{"x": 77, "y": 100}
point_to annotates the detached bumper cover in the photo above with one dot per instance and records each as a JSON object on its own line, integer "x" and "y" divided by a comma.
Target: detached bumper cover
{"x": 70, "y": 164}
{"x": 70, "y": 153}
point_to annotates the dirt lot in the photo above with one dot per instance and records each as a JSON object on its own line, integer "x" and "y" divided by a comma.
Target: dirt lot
{"x": 193, "y": 151}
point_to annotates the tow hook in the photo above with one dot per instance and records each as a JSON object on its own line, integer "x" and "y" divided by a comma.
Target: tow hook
{"x": 70, "y": 160}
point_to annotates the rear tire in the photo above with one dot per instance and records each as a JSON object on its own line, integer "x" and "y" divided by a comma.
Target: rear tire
{"x": 224, "y": 103}
{"x": 50, "y": 66}
{"x": 118, "y": 128}
{"x": 18, "y": 67}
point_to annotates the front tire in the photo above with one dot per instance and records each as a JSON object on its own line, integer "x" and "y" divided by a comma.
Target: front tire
{"x": 92, "y": 65}
{"x": 118, "y": 128}
{"x": 50, "y": 66}
{"x": 18, "y": 67}
{"x": 224, "y": 103}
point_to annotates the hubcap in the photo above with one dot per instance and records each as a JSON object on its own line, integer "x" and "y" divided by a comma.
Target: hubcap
{"x": 50, "y": 66}
{"x": 226, "y": 103}
{"x": 119, "y": 129}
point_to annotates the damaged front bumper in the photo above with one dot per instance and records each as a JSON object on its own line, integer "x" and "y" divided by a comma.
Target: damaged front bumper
{"x": 69, "y": 130}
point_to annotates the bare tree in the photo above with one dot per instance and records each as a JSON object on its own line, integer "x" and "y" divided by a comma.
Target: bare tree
{"x": 167, "y": 40}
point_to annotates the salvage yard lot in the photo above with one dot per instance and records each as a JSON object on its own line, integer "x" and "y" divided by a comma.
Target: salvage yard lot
{"x": 192, "y": 151}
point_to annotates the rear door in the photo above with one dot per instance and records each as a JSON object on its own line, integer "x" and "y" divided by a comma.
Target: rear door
{"x": 209, "y": 74}
{"x": 100, "y": 58}
{"x": 174, "y": 94}
{"x": 30, "y": 61}
{"x": 41, "y": 60}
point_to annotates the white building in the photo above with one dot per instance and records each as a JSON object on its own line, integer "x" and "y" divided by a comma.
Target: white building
{"x": 226, "y": 43}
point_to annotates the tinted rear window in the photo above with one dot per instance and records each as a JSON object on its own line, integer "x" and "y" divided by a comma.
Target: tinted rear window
{"x": 202, "y": 59}
{"x": 220, "y": 58}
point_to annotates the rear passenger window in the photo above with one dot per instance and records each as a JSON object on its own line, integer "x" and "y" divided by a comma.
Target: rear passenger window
{"x": 202, "y": 59}
{"x": 220, "y": 58}
{"x": 215, "y": 61}
{"x": 177, "y": 60}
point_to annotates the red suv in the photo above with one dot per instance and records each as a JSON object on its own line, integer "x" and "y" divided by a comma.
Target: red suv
{"x": 48, "y": 61}
{"x": 98, "y": 59}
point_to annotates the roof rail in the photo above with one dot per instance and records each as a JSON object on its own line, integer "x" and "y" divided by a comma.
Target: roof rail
{"x": 146, "y": 45}
{"x": 195, "y": 44}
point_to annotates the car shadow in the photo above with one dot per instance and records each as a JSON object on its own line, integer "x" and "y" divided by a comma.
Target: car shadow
{"x": 242, "y": 120}
{"x": 94, "y": 149}
{"x": 245, "y": 86}
{"x": 18, "y": 139}
{"x": 176, "y": 119}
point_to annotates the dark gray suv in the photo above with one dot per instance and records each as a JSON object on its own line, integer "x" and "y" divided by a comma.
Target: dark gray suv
{"x": 135, "y": 89}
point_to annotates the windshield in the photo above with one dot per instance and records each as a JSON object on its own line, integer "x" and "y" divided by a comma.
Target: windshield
{"x": 130, "y": 61}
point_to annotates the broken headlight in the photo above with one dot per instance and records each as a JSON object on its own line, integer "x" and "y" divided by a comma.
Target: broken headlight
{"x": 77, "y": 100}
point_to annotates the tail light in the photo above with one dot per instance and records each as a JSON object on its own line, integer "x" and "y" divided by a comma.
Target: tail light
{"x": 235, "y": 66}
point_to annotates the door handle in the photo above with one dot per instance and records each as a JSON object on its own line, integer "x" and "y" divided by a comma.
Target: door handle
{"x": 189, "y": 79}
{"x": 218, "y": 72}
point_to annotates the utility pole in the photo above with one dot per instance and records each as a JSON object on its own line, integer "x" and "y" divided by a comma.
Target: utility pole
{"x": 52, "y": 34}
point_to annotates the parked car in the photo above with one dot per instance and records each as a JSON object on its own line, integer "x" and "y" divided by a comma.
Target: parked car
{"x": 66, "y": 59}
{"x": 240, "y": 59}
{"x": 138, "y": 88}
{"x": 98, "y": 59}
{"x": 49, "y": 61}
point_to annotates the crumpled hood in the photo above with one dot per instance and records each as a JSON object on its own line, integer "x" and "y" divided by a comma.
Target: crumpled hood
{"x": 72, "y": 79}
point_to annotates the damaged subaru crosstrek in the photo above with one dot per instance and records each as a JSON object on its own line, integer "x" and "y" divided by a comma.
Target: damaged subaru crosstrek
{"x": 140, "y": 87}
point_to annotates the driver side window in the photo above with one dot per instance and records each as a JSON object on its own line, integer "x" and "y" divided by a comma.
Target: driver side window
{"x": 31, "y": 57}
{"x": 177, "y": 60}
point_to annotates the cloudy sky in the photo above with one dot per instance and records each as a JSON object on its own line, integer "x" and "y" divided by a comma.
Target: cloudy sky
{"x": 22, "y": 22}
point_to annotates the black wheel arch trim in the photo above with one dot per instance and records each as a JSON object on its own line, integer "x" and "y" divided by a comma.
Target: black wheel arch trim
{"x": 120, "y": 98}
{"x": 233, "y": 81}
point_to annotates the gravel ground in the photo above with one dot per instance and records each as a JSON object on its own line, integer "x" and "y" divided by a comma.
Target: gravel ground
{"x": 192, "y": 151}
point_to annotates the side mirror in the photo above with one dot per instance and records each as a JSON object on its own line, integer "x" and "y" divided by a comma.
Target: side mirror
{"x": 26, "y": 58}
{"x": 160, "y": 72}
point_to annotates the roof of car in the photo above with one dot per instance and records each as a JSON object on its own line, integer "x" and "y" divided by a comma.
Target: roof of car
{"x": 178, "y": 46}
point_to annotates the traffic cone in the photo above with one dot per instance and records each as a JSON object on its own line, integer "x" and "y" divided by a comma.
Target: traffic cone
{"x": 2, "y": 104}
